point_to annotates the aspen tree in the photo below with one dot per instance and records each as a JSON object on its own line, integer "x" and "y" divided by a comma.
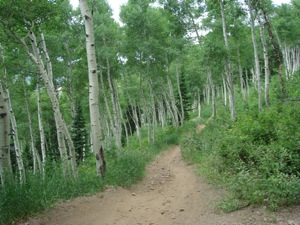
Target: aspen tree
{"x": 5, "y": 163}
{"x": 228, "y": 67}
{"x": 93, "y": 89}
{"x": 256, "y": 59}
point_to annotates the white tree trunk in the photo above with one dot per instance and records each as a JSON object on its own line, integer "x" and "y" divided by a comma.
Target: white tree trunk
{"x": 41, "y": 129}
{"x": 242, "y": 82}
{"x": 47, "y": 75}
{"x": 180, "y": 95}
{"x": 228, "y": 69}
{"x": 266, "y": 61}
{"x": 136, "y": 122}
{"x": 93, "y": 89}
{"x": 5, "y": 163}
{"x": 15, "y": 135}
{"x": 116, "y": 116}
{"x": 172, "y": 98}
{"x": 224, "y": 90}
{"x": 60, "y": 120}
{"x": 199, "y": 104}
{"x": 169, "y": 109}
{"x": 153, "y": 111}
{"x": 292, "y": 60}
{"x": 110, "y": 120}
{"x": 213, "y": 96}
{"x": 35, "y": 156}
{"x": 256, "y": 59}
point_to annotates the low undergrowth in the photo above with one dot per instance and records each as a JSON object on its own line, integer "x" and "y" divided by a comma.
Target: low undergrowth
{"x": 257, "y": 157}
{"x": 123, "y": 169}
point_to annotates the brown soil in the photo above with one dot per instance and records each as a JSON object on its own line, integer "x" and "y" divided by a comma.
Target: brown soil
{"x": 170, "y": 194}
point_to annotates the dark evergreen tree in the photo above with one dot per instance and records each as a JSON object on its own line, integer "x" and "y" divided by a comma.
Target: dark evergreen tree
{"x": 79, "y": 133}
{"x": 186, "y": 99}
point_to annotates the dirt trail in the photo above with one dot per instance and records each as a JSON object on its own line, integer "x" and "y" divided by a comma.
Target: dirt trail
{"x": 170, "y": 194}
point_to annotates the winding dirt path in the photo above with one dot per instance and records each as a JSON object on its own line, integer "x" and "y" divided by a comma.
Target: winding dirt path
{"x": 170, "y": 194}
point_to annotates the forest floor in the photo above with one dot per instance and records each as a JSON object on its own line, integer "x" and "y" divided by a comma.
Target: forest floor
{"x": 171, "y": 193}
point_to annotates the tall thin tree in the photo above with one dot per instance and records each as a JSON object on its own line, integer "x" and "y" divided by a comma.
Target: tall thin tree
{"x": 93, "y": 88}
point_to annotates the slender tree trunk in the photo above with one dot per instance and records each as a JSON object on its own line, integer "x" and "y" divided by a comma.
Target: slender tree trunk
{"x": 136, "y": 122}
{"x": 199, "y": 104}
{"x": 134, "y": 114}
{"x": 93, "y": 89}
{"x": 41, "y": 129}
{"x": 228, "y": 70}
{"x": 62, "y": 148}
{"x": 34, "y": 152}
{"x": 172, "y": 97}
{"x": 266, "y": 61}
{"x": 224, "y": 90}
{"x": 242, "y": 83}
{"x": 180, "y": 95}
{"x": 213, "y": 96}
{"x": 15, "y": 135}
{"x": 146, "y": 109}
{"x": 161, "y": 114}
{"x": 247, "y": 84}
{"x": 153, "y": 111}
{"x": 276, "y": 51}
{"x": 37, "y": 59}
{"x": 116, "y": 115}
{"x": 14, "y": 128}
{"x": 292, "y": 60}
{"x": 70, "y": 88}
{"x": 111, "y": 127}
{"x": 256, "y": 59}
{"x": 170, "y": 111}
{"x": 60, "y": 121}
{"x": 5, "y": 163}
{"x": 207, "y": 92}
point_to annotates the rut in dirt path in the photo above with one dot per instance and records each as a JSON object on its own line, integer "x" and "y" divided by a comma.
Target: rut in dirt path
{"x": 170, "y": 194}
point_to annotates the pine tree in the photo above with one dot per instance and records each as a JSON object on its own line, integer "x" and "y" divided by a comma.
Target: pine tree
{"x": 79, "y": 133}
{"x": 186, "y": 100}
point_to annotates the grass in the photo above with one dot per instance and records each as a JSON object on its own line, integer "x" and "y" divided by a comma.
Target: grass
{"x": 19, "y": 201}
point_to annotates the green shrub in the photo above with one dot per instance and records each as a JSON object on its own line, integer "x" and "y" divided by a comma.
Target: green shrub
{"x": 257, "y": 157}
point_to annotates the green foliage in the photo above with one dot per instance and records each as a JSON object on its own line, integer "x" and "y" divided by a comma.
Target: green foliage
{"x": 186, "y": 99}
{"x": 38, "y": 192}
{"x": 257, "y": 157}
{"x": 126, "y": 169}
{"x": 79, "y": 134}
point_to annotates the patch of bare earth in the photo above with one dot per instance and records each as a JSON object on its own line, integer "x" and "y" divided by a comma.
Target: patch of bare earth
{"x": 170, "y": 194}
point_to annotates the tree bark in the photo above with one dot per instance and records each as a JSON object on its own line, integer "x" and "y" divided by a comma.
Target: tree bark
{"x": 228, "y": 69}
{"x": 180, "y": 95}
{"x": 213, "y": 96}
{"x": 153, "y": 111}
{"x": 41, "y": 129}
{"x": 15, "y": 136}
{"x": 242, "y": 83}
{"x": 266, "y": 61}
{"x": 172, "y": 98}
{"x": 256, "y": 59}
{"x": 5, "y": 163}
{"x": 277, "y": 53}
{"x": 93, "y": 89}
{"x": 173, "y": 116}
{"x": 35, "y": 156}
{"x": 110, "y": 120}
{"x": 199, "y": 104}
{"x": 116, "y": 116}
